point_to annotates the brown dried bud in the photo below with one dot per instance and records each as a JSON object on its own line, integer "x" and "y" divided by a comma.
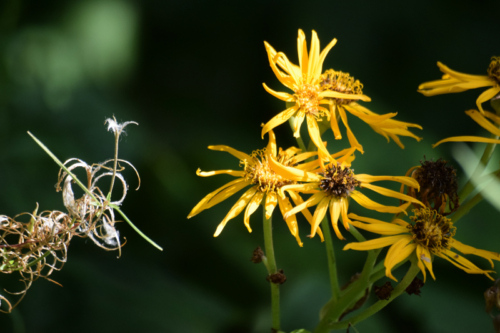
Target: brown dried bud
{"x": 257, "y": 255}
{"x": 385, "y": 291}
{"x": 414, "y": 287}
{"x": 277, "y": 278}
{"x": 492, "y": 296}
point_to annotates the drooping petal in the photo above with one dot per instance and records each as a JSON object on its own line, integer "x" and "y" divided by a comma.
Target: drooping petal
{"x": 335, "y": 215}
{"x": 322, "y": 56}
{"x": 315, "y": 135}
{"x": 373, "y": 244}
{"x": 364, "y": 201}
{"x": 271, "y": 145}
{"x": 319, "y": 214}
{"x": 392, "y": 194}
{"x": 284, "y": 78}
{"x": 463, "y": 263}
{"x": 297, "y": 199}
{"x": 424, "y": 259}
{"x": 279, "y": 119}
{"x": 462, "y": 76}
{"x": 286, "y": 97}
{"x": 219, "y": 195}
{"x": 334, "y": 122}
{"x": 350, "y": 136}
{"x": 466, "y": 249}
{"x": 381, "y": 228}
{"x": 292, "y": 173}
{"x": 236, "y": 209}
{"x": 233, "y": 173}
{"x": 312, "y": 201}
{"x": 483, "y": 122}
{"x": 408, "y": 181}
{"x": 291, "y": 221}
{"x": 271, "y": 202}
{"x": 398, "y": 252}
{"x": 334, "y": 94}
{"x": 466, "y": 139}
{"x": 251, "y": 208}
{"x": 238, "y": 154}
{"x": 450, "y": 87}
{"x": 299, "y": 119}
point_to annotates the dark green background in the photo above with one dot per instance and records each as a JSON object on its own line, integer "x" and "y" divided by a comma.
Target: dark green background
{"x": 191, "y": 73}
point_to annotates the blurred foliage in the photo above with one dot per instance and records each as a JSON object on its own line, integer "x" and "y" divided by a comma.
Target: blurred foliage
{"x": 190, "y": 73}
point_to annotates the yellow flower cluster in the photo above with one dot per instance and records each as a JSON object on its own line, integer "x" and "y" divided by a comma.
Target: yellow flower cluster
{"x": 274, "y": 175}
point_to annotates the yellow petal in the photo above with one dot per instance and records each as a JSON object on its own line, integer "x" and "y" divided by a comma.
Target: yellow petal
{"x": 279, "y": 119}
{"x": 220, "y": 194}
{"x": 408, "y": 181}
{"x": 291, "y": 221}
{"x": 392, "y": 194}
{"x": 424, "y": 257}
{"x": 466, "y": 139}
{"x": 297, "y": 199}
{"x": 240, "y": 155}
{"x": 450, "y": 87}
{"x": 381, "y": 228}
{"x": 350, "y": 136}
{"x": 319, "y": 214}
{"x": 463, "y": 263}
{"x": 486, "y": 96}
{"x": 466, "y": 249}
{"x": 333, "y": 121}
{"x": 483, "y": 122}
{"x": 364, "y": 201}
{"x": 284, "y": 78}
{"x": 315, "y": 135}
{"x": 297, "y": 123}
{"x": 373, "y": 244}
{"x": 251, "y": 208}
{"x": 313, "y": 58}
{"x": 334, "y": 216}
{"x": 313, "y": 200}
{"x": 292, "y": 173}
{"x": 271, "y": 202}
{"x": 280, "y": 95}
{"x": 461, "y": 76}
{"x": 302, "y": 52}
{"x": 334, "y": 94}
{"x": 236, "y": 209}
{"x": 398, "y": 252}
{"x": 323, "y": 55}
{"x": 271, "y": 145}
{"x": 219, "y": 172}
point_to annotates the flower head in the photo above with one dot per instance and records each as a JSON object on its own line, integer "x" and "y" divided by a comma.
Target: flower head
{"x": 324, "y": 96}
{"x": 429, "y": 234}
{"x": 454, "y": 82}
{"x": 332, "y": 187}
{"x": 265, "y": 182}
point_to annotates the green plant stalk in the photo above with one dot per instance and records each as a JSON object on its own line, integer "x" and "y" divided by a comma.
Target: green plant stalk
{"x": 400, "y": 288}
{"x": 358, "y": 287}
{"x": 84, "y": 188}
{"x": 272, "y": 268}
{"x": 332, "y": 262}
{"x": 464, "y": 209}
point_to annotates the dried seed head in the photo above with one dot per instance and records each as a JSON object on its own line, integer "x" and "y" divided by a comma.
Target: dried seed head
{"x": 384, "y": 292}
{"x": 342, "y": 83}
{"x": 257, "y": 255}
{"x": 277, "y": 278}
{"x": 438, "y": 186}
{"x": 117, "y": 128}
{"x": 338, "y": 181}
{"x": 431, "y": 230}
{"x": 414, "y": 287}
{"x": 494, "y": 69}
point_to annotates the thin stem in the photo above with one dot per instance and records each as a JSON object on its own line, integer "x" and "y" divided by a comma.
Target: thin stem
{"x": 359, "y": 237}
{"x": 400, "y": 288}
{"x": 115, "y": 163}
{"x": 470, "y": 186}
{"x": 271, "y": 264}
{"x": 332, "y": 262}
{"x": 464, "y": 209}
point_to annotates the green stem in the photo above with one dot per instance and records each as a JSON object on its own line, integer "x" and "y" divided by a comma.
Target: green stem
{"x": 271, "y": 264}
{"x": 464, "y": 209}
{"x": 470, "y": 186}
{"x": 400, "y": 288}
{"x": 332, "y": 263}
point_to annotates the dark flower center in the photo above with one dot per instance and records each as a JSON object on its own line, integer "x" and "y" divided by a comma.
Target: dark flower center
{"x": 494, "y": 69}
{"x": 342, "y": 83}
{"x": 338, "y": 181}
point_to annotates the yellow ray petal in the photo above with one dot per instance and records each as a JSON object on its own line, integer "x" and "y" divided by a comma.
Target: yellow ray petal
{"x": 368, "y": 118}
{"x": 408, "y": 181}
{"x": 454, "y": 87}
{"x": 398, "y": 252}
{"x": 319, "y": 214}
{"x": 466, "y": 139}
{"x": 483, "y": 122}
{"x": 425, "y": 256}
{"x": 466, "y": 249}
{"x": 344, "y": 207}
{"x": 251, "y": 208}
{"x": 492, "y": 116}
{"x": 313, "y": 200}
{"x": 302, "y": 188}
{"x": 420, "y": 263}
{"x": 291, "y": 221}
{"x": 350, "y": 136}
{"x": 219, "y": 172}
{"x": 462, "y": 76}
{"x": 392, "y": 194}
{"x": 302, "y": 52}
{"x": 280, "y": 95}
{"x": 305, "y": 156}
{"x": 279, "y": 119}
{"x": 220, "y": 194}
{"x": 463, "y": 263}
{"x": 297, "y": 199}
{"x": 315, "y": 135}
{"x": 297, "y": 123}
{"x": 271, "y": 202}
{"x": 486, "y": 96}
{"x": 292, "y": 173}
{"x": 381, "y": 228}
{"x": 322, "y": 56}
{"x": 284, "y": 78}
{"x": 446, "y": 80}
{"x": 240, "y": 155}
{"x": 334, "y": 216}
{"x": 364, "y": 201}
{"x": 373, "y": 244}
{"x": 271, "y": 145}
{"x": 334, "y": 122}
{"x": 313, "y": 58}
{"x": 334, "y": 94}
{"x": 236, "y": 209}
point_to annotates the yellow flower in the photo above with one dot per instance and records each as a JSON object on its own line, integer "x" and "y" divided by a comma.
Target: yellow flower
{"x": 454, "y": 82}
{"x": 430, "y": 233}
{"x": 319, "y": 97}
{"x": 257, "y": 172}
{"x": 482, "y": 120}
{"x": 332, "y": 187}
